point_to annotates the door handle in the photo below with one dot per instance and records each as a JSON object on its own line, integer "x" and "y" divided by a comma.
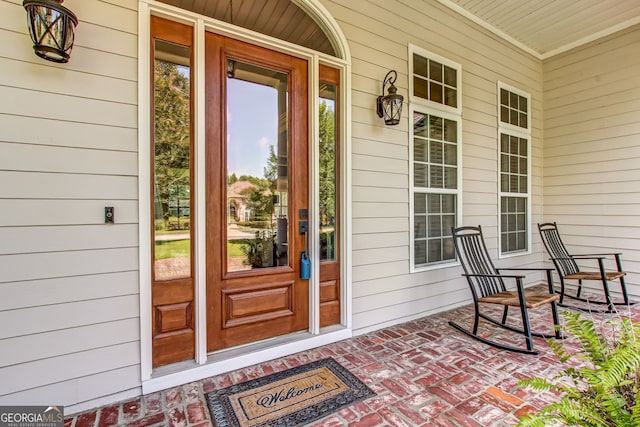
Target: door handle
{"x": 305, "y": 262}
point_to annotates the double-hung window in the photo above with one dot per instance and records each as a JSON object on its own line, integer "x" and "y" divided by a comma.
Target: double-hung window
{"x": 435, "y": 151}
{"x": 514, "y": 145}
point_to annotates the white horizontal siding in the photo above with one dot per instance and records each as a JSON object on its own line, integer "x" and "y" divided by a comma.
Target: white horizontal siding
{"x": 380, "y": 209}
{"x": 57, "y": 133}
{"x": 26, "y": 212}
{"x": 20, "y": 267}
{"x": 31, "y": 103}
{"x": 379, "y": 270}
{"x": 20, "y": 75}
{"x": 411, "y": 308}
{"x": 381, "y": 195}
{"x": 591, "y": 151}
{"x": 68, "y": 147}
{"x": 38, "y": 185}
{"x": 41, "y": 292}
{"x": 380, "y": 240}
{"x": 379, "y": 164}
{"x": 380, "y": 149}
{"x": 53, "y": 317}
{"x": 43, "y": 158}
{"x": 368, "y": 178}
{"x": 105, "y": 387}
{"x": 369, "y": 256}
{"x": 69, "y": 340}
{"x": 23, "y": 240}
{"x": 56, "y": 369}
{"x": 380, "y": 286}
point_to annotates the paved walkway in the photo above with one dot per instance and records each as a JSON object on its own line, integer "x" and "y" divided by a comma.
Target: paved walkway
{"x": 424, "y": 373}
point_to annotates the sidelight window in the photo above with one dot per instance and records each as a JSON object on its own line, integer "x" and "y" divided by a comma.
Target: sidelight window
{"x": 172, "y": 177}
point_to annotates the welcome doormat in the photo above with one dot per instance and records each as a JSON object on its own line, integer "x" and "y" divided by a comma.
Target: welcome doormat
{"x": 289, "y": 398}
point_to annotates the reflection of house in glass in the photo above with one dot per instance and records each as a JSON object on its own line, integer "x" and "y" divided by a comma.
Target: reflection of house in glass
{"x": 257, "y": 220}
{"x": 246, "y": 202}
{"x": 237, "y": 201}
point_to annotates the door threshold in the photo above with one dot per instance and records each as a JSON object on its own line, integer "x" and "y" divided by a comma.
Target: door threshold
{"x": 240, "y": 350}
{"x": 228, "y": 360}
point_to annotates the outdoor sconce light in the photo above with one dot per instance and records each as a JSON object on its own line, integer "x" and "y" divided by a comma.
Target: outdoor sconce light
{"x": 390, "y": 106}
{"x": 51, "y": 27}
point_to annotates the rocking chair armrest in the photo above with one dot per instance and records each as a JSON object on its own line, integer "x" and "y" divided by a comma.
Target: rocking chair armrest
{"x": 527, "y": 269}
{"x": 504, "y": 276}
{"x": 573, "y": 257}
{"x": 616, "y": 255}
{"x": 598, "y": 254}
{"x": 599, "y": 257}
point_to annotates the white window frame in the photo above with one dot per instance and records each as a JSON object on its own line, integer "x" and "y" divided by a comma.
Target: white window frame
{"x": 520, "y": 132}
{"x": 425, "y": 106}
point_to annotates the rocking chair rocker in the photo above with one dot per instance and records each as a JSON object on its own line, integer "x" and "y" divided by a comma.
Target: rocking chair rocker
{"x": 568, "y": 269}
{"x": 488, "y": 286}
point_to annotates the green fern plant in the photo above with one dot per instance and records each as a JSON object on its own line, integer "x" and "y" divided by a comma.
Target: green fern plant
{"x": 603, "y": 389}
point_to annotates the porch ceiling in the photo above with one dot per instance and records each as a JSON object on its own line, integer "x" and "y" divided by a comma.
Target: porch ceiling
{"x": 548, "y": 27}
{"x": 281, "y": 19}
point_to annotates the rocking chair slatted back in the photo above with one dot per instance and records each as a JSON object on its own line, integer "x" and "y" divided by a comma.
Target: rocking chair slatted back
{"x": 476, "y": 263}
{"x": 556, "y": 248}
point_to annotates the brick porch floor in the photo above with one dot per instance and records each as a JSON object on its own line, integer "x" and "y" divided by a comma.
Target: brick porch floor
{"x": 424, "y": 373}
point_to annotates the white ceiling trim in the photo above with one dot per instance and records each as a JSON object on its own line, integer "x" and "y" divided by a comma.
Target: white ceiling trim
{"x": 464, "y": 12}
{"x": 592, "y": 37}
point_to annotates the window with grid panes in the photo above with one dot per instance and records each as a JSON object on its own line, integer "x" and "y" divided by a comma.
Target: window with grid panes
{"x": 435, "y": 184}
{"x": 514, "y": 109}
{"x": 435, "y": 81}
{"x": 435, "y": 147}
{"x": 514, "y": 169}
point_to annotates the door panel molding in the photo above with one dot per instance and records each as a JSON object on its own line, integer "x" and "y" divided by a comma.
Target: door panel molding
{"x": 253, "y": 305}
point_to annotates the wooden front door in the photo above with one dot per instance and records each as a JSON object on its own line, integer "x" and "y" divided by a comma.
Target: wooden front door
{"x": 256, "y": 108}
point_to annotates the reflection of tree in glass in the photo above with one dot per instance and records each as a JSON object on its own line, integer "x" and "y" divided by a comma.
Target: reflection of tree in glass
{"x": 327, "y": 165}
{"x": 172, "y": 136}
{"x": 232, "y": 179}
{"x": 271, "y": 170}
{"x": 328, "y": 181}
{"x": 260, "y": 201}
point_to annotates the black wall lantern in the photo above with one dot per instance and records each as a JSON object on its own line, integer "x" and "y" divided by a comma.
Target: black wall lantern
{"x": 51, "y": 27}
{"x": 390, "y": 106}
